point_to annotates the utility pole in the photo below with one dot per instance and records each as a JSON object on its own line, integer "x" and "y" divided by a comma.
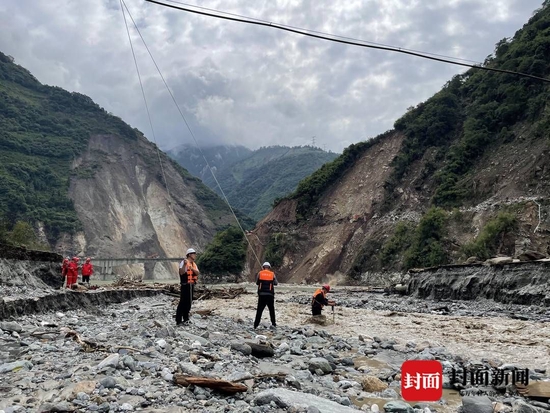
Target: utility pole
{"x": 313, "y": 141}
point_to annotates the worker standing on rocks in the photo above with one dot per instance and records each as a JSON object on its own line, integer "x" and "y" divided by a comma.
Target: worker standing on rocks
{"x": 72, "y": 272}
{"x": 64, "y": 267}
{"x": 189, "y": 274}
{"x": 87, "y": 271}
{"x": 265, "y": 280}
{"x": 320, "y": 299}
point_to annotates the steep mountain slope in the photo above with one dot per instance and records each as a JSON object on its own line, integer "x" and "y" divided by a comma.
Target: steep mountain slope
{"x": 253, "y": 183}
{"x": 463, "y": 174}
{"x": 218, "y": 157}
{"x": 88, "y": 182}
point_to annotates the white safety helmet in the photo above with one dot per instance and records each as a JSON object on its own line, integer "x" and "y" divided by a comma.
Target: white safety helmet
{"x": 190, "y": 251}
{"x": 266, "y": 264}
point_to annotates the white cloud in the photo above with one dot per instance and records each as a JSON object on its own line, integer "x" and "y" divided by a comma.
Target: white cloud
{"x": 254, "y": 85}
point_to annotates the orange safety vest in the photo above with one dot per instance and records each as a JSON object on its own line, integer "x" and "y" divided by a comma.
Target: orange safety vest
{"x": 313, "y": 301}
{"x": 191, "y": 277}
{"x": 266, "y": 277}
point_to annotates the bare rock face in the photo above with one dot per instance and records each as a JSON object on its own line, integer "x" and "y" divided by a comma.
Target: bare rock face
{"x": 499, "y": 261}
{"x": 37, "y": 270}
{"x": 531, "y": 256}
{"x": 338, "y": 233}
{"x": 127, "y": 211}
{"x": 515, "y": 283}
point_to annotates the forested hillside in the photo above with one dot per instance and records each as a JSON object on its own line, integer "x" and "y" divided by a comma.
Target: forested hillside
{"x": 218, "y": 157}
{"x": 255, "y": 182}
{"x": 465, "y": 173}
{"x": 51, "y": 140}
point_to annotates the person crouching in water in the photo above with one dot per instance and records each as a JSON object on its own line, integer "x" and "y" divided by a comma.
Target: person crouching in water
{"x": 189, "y": 273}
{"x": 87, "y": 271}
{"x": 320, "y": 300}
{"x": 265, "y": 280}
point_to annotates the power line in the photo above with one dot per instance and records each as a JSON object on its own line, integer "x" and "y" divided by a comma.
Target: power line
{"x": 146, "y": 105}
{"x": 190, "y": 131}
{"x": 305, "y": 32}
{"x": 319, "y": 32}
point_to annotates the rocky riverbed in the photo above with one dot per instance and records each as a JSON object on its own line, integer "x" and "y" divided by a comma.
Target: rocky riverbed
{"x": 129, "y": 354}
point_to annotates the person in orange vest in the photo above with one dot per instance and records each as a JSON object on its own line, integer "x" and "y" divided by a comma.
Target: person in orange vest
{"x": 87, "y": 271}
{"x": 72, "y": 272}
{"x": 189, "y": 274}
{"x": 320, "y": 299}
{"x": 265, "y": 280}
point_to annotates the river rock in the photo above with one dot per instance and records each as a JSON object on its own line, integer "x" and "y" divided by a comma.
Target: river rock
{"x": 499, "y": 261}
{"x": 14, "y": 366}
{"x": 520, "y": 406}
{"x": 109, "y": 361}
{"x": 241, "y": 347}
{"x": 319, "y": 363}
{"x": 11, "y": 326}
{"x": 288, "y": 399}
{"x": 373, "y": 384}
{"x": 477, "y": 404}
{"x": 531, "y": 256}
{"x": 397, "y": 406}
{"x": 260, "y": 350}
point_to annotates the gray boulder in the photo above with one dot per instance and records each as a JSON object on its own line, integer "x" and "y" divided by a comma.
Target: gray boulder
{"x": 288, "y": 399}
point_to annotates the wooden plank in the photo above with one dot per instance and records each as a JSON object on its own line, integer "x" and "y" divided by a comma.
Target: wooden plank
{"x": 223, "y": 386}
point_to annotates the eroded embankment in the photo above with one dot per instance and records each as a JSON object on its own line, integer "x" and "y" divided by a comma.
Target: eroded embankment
{"x": 515, "y": 283}
{"x": 31, "y": 282}
{"x": 69, "y": 300}
{"x": 28, "y": 268}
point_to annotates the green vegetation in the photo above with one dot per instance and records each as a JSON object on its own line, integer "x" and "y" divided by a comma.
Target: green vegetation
{"x": 275, "y": 250}
{"x": 427, "y": 248}
{"x": 310, "y": 189}
{"x": 225, "y": 254}
{"x": 487, "y": 242}
{"x": 253, "y": 180}
{"x": 252, "y": 184}
{"x": 400, "y": 241}
{"x": 21, "y": 234}
{"x": 366, "y": 259}
{"x": 42, "y": 129}
{"x": 477, "y": 111}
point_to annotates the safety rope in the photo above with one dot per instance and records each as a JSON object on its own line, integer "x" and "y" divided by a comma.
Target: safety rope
{"x": 189, "y": 129}
{"x": 146, "y": 105}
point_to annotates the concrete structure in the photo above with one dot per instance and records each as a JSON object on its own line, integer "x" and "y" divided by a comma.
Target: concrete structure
{"x": 104, "y": 266}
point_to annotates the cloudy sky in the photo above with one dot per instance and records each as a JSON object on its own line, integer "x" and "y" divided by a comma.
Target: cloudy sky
{"x": 257, "y": 86}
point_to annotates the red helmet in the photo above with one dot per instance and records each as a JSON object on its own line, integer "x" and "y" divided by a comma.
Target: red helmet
{"x": 76, "y": 259}
{"x": 326, "y": 287}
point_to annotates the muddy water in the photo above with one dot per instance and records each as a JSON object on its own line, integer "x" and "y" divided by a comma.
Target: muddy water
{"x": 525, "y": 344}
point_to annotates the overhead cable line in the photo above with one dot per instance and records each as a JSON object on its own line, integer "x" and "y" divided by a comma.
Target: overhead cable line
{"x": 190, "y": 131}
{"x": 305, "y": 32}
{"x": 318, "y": 32}
{"x": 146, "y": 105}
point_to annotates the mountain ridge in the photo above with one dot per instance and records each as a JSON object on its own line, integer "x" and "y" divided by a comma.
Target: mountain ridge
{"x": 90, "y": 184}
{"x": 465, "y": 171}
{"x": 255, "y": 179}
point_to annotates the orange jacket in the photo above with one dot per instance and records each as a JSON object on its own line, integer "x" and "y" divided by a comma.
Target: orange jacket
{"x": 191, "y": 277}
{"x": 319, "y": 299}
{"x": 265, "y": 281}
